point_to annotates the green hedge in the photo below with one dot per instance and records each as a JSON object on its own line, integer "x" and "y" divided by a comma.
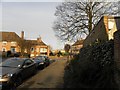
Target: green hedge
{"x": 92, "y": 68}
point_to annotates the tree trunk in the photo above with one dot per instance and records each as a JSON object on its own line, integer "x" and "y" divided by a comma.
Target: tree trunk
{"x": 90, "y": 17}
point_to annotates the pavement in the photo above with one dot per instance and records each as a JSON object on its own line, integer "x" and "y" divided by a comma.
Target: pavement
{"x": 50, "y": 77}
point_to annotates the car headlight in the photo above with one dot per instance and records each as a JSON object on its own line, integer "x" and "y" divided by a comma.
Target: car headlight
{"x": 41, "y": 63}
{"x": 5, "y": 77}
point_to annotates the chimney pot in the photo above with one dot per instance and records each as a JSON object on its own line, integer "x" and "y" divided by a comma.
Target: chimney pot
{"x": 39, "y": 39}
{"x": 22, "y": 34}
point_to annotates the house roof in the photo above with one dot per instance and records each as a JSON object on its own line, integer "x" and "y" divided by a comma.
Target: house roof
{"x": 36, "y": 42}
{"x": 12, "y": 36}
{"x": 78, "y": 42}
{"x": 9, "y": 36}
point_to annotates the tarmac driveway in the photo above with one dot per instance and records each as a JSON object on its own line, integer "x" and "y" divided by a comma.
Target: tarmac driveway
{"x": 50, "y": 77}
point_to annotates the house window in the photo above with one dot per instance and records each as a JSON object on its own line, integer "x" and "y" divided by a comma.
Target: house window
{"x": 43, "y": 50}
{"x": 12, "y": 49}
{"x": 3, "y": 49}
{"x": 13, "y": 43}
{"x": 32, "y": 49}
{"x": 4, "y": 43}
{"x": 32, "y": 55}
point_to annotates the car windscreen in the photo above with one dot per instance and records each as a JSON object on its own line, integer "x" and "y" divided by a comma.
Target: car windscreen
{"x": 11, "y": 63}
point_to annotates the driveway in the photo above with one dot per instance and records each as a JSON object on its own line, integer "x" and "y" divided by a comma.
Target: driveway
{"x": 50, "y": 77}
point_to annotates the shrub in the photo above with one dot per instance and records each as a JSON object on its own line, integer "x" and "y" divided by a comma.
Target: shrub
{"x": 92, "y": 68}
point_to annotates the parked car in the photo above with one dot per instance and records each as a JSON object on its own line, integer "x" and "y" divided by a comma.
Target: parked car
{"x": 42, "y": 61}
{"x": 15, "y": 70}
{"x": 47, "y": 61}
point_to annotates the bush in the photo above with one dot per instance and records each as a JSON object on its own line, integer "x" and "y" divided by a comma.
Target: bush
{"x": 92, "y": 68}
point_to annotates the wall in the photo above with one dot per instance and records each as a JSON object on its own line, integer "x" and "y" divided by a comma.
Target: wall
{"x": 117, "y": 48}
{"x": 8, "y": 47}
{"x": 116, "y": 21}
{"x": 104, "y": 30}
{"x": 117, "y": 43}
{"x": 98, "y": 33}
{"x": 117, "y": 56}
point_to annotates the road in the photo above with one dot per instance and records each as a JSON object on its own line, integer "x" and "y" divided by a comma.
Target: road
{"x": 50, "y": 77}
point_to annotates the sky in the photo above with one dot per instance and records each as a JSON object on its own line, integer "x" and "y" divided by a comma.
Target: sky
{"x": 34, "y": 18}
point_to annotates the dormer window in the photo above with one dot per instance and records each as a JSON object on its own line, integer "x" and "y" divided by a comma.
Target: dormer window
{"x": 111, "y": 23}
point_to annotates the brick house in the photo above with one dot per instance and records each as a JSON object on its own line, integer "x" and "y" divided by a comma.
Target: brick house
{"x": 75, "y": 48}
{"x": 104, "y": 30}
{"x": 10, "y": 41}
{"x": 38, "y": 47}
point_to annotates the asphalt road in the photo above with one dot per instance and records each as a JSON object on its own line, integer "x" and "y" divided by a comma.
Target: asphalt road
{"x": 50, "y": 77}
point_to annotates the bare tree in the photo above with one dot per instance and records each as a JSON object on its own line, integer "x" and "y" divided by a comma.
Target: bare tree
{"x": 67, "y": 49}
{"x": 24, "y": 45}
{"x": 28, "y": 46}
{"x": 21, "y": 43}
{"x": 77, "y": 19}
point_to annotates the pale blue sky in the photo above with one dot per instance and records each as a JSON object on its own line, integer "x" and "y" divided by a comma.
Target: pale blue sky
{"x": 35, "y": 18}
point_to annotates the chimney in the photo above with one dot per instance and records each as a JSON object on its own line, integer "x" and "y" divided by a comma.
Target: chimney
{"x": 22, "y": 34}
{"x": 39, "y": 39}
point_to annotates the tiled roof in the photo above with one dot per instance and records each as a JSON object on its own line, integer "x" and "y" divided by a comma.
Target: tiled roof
{"x": 9, "y": 36}
{"x": 12, "y": 36}
{"x": 79, "y": 42}
{"x": 36, "y": 42}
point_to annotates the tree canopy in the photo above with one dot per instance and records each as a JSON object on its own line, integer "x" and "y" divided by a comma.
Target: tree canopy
{"x": 76, "y": 20}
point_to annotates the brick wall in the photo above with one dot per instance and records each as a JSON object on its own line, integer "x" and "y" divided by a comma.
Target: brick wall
{"x": 8, "y": 47}
{"x": 99, "y": 32}
{"x": 102, "y": 31}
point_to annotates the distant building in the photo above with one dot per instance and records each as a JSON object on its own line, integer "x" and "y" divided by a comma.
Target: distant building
{"x": 55, "y": 52}
{"x": 62, "y": 50}
{"x": 104, "y": 30}
{"x": 75, "y": 48}
{"x": 39, "y": 48}
{"x": 10, "y": 41}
